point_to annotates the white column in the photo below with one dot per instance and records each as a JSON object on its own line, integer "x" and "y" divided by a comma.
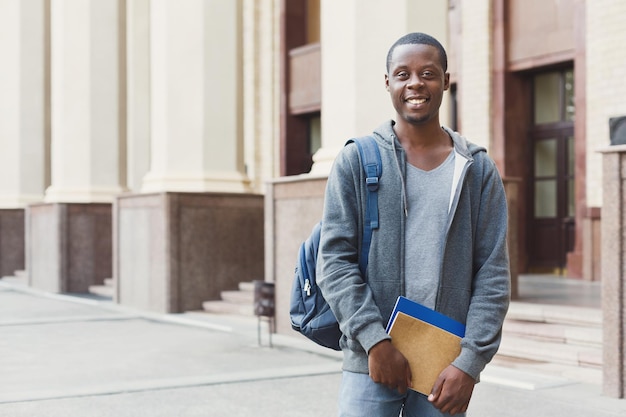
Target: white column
{"x": 475, "y": 71}
{"x": 87, "y": 121}
{"x": 261, "y": 75}
{"x": 23, "y": 120}
{"x": 354, "y": 98}
{"x": 138, "y": 91}
{"x": 196, "y": 97}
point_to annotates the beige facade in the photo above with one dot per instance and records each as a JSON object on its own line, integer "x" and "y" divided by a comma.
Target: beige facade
{"x": 140, "y": 137}
{"x": 606, "y": 89}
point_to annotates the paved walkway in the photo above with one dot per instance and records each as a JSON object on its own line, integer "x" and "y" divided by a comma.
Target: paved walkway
{"x": 79, "y": 357}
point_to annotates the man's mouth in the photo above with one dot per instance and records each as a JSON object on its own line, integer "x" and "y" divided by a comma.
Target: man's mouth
{"x": 415, "y": 100}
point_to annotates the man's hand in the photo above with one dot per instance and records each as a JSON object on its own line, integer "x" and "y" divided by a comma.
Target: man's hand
{"x": 389, "y": 367}
{"x": 452, "y": 391}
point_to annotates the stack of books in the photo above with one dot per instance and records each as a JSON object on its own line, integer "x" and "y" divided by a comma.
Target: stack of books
{"x": 428, "y": 339}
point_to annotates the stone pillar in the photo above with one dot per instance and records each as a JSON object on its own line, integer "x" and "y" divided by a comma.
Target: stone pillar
{"x": 359, "y": 36}
{"x": 475, "y": 71}
{"x": 261, "y": 21}
{"x": 196, "y": 97}
{"x": 138, "y": 91}
{"x": 613, "y": 271}
{"x": 87, "y": 136}
{"x": 23, "y": 121}
{"x": 87, "y": 148}
{"x": 195, "y": 229}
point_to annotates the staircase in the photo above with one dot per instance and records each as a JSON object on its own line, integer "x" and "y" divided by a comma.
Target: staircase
{"x": 237, "y": 302}
{"x": 557, "y": 340}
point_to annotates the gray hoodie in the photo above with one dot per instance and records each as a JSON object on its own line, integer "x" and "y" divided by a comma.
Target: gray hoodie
{"x": 474, "y": 283}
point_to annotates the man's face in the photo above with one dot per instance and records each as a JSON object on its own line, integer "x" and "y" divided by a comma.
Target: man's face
{"x": 416, "y": 82}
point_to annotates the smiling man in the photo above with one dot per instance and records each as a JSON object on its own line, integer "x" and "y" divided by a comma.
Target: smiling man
{"x": 441, "y": 242}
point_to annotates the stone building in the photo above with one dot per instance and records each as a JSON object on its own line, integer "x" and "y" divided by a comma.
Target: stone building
{"x": 175, "y": 149}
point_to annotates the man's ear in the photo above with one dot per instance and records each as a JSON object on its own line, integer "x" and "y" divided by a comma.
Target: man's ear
{"x": 446, "y": 81}
{"x": 387, "y": 82}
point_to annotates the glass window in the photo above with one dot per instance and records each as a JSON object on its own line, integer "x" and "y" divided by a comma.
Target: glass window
{"x": 548, "y": 98}
{"x": 569, "y": 95}
{"x": 315, "y": 134}
{"x": 545, "y": 198}
{"x": 545, "y": 158}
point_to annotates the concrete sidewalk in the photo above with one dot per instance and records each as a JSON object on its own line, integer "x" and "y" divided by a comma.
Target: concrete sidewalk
{"x": 74, "y": 356}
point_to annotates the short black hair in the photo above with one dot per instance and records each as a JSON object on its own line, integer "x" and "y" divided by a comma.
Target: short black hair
{"x": 418, "y": 38}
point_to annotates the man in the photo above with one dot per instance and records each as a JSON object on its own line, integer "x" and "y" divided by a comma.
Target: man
{"x": 441, "y": 242}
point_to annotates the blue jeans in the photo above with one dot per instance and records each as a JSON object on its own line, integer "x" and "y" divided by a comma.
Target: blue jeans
{"x": 359, "y": 396}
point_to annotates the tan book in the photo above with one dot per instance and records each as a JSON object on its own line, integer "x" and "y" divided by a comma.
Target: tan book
{"x": 428, "y": 339}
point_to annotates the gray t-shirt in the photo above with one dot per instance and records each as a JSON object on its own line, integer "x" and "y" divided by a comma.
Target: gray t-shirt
{"x": 428, "y": 194}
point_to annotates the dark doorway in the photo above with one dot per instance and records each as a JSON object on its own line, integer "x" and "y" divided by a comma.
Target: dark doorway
{"x": 551, "y": 208}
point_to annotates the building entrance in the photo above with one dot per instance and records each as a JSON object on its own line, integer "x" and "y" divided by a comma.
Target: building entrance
{"x": 551, "y": 208}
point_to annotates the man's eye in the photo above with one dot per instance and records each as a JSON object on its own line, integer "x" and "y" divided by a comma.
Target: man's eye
{"x": 427, "y": 74}
{"x": 402, "y": 74}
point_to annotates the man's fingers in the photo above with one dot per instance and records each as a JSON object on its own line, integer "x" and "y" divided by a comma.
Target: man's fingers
{"x": 436, "y": 391}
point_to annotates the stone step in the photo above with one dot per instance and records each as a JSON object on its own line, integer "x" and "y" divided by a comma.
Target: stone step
{"x": 554, "y": 370}
{"x": 225, "y": 307}
{"x": 102, "y": 290}
{"x": 555, "y": 333}
{"x": 553, "y": 336}
{"x": 545, "y": 313}
{"x": 246, "y": 286}
{"x": 238, "y": 302}
{"x": 238, "y": 297}
{"x": 20, "y": 274}
{"x": 521, "y": 347}
{"x": 13, "y": 280}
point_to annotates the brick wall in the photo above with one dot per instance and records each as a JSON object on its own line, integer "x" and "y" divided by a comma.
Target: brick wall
{"x": 606, "y": 89}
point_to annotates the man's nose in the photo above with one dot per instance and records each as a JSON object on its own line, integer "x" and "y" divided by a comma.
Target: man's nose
{"x": 415, "y": 81}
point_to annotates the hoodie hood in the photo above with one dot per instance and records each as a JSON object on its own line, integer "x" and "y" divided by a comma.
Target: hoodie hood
{"x": 464, "y": 157}
{"x": 461, "y": 144}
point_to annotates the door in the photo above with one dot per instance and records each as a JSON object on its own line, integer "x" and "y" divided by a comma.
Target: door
{"x": 552, "y": 202}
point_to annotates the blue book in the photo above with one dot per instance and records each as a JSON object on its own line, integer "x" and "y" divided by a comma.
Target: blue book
{"x": 428, "y": 315}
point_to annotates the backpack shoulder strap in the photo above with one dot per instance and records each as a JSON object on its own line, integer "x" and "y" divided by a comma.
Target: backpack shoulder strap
{"x": 373, "y": 167}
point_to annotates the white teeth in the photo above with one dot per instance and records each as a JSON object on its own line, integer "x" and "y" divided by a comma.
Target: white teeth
{"x": 416, "y": 100}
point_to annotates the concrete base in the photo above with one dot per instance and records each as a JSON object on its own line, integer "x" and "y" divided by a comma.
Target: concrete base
{"x": 592, "y": 244}
{"x": 613, "y": 271}
{"x": 293, "y": 206}
{"x": 68, "y": 245}
{"x": 173, "y": 251}
{"x": 11, "y": 241}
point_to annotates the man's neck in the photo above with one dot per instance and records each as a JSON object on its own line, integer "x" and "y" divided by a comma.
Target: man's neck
{"x": 426, "y": 146}
{"x": 429, "y": 135}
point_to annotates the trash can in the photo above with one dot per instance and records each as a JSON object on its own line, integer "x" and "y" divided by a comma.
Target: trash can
{"x": 264, "y": 306}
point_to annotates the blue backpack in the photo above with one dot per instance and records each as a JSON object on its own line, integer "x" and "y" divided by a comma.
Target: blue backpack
{"x": 310, "y": 313}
